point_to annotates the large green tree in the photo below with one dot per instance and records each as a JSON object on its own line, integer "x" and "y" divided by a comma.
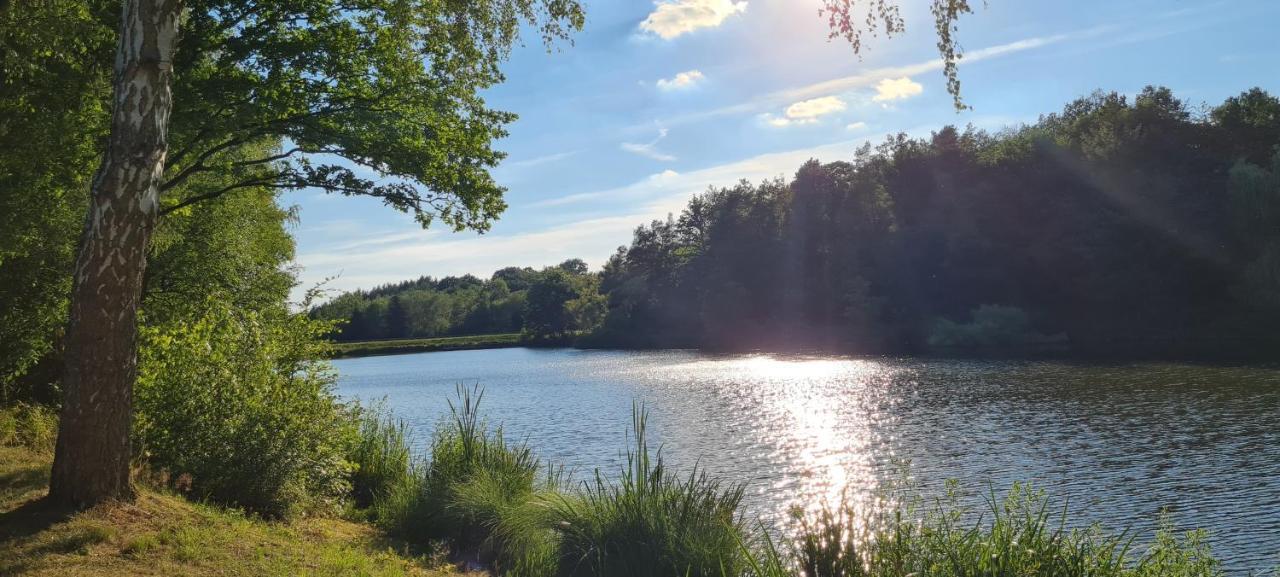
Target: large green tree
{"x": 377, "y": 98}
{"x": 53, "y": 74}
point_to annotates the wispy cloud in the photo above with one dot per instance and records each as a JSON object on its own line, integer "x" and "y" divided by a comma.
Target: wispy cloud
{"x": 856, "y": 126}
{"x": 669, "y": 184}
{"x": 896, "y": 89}
{"x": 672, "y": 18}
{"x": 684, "y": 80}
{"x": 649, "y": 149}
{"x": 537, "y": 160}
{"x": 869, "y": 79}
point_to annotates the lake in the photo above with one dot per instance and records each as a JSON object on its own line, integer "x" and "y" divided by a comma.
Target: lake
{"x": 1119, "y": 443}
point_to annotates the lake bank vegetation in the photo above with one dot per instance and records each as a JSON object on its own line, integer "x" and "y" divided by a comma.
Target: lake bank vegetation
{"x": 1048, "y": 238}
{"x": 166, "y": 533}
{"x": 402, "y": 346}
{"x": 478, "y": 499}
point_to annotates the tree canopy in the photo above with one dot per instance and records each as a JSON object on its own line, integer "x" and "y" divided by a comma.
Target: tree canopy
{"x": 378, "y": 98}
{"x": 1125, "y": 225}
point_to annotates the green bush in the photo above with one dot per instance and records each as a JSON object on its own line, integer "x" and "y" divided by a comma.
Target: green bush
{"x": 993, "y": 327}
{"x": 652, "y": 523}
{"x": 232, "y": 407}
{"x": 32, "y": 426}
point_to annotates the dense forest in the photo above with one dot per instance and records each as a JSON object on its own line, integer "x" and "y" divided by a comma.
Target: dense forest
{"x": 1119, "y": 226}
{"x": 557, "y": 300}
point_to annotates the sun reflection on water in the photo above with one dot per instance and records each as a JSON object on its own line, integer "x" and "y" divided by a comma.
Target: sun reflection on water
{"x": 1116, "y": 443}
{"x": 821, "y": 417}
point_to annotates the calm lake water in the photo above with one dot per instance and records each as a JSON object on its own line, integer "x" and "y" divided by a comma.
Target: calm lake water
{"x": 1120, "y": 443}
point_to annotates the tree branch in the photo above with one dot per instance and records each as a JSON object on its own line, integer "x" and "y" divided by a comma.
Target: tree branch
{"x": 198, "y": 165}
{"x": 273, "y": 182}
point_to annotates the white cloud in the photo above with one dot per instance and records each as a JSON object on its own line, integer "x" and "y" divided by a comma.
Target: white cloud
{"x": 671, "y": 18}
{"x": 778, "y": 121}
{"x": 683, "y": 80}
{"x": 649, "y": 149}
{"x": 868, "y": 79}
{"x": 856, "y": 126}
{"x": 896, "y": 89}
{"x": 810, "y": 110}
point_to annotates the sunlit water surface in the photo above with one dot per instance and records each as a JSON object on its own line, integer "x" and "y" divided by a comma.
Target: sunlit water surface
{"x": 1120, "y": 443}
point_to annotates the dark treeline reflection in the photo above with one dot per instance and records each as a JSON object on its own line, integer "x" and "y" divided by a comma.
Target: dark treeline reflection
{"x": 1133, "y": 226}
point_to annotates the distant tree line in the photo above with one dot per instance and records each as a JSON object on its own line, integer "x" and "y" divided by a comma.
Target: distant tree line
{"x": 554, "y": 302}
{"x": 1125, "y": 226}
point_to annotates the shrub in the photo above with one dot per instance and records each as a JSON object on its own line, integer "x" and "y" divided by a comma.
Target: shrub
{"x": 993, "y": 327}
{"x": 32, "y": 426}
{"x": 651, "y": 523}
{"x": 233, "y": 402}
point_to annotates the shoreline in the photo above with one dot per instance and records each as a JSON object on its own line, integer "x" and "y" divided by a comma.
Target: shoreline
{"x": 360, "y": 349}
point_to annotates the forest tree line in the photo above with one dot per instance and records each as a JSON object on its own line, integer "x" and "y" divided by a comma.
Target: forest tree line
{"x": 555, "y": 301}
{"x": 1119, "y": 225}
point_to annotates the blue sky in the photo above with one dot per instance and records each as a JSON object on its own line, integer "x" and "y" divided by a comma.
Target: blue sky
{"x": 654, "y": 102}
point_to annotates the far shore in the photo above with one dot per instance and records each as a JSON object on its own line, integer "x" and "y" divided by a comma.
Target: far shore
{"x": 404, "y": 346}
{"x": 1131, "y": 354}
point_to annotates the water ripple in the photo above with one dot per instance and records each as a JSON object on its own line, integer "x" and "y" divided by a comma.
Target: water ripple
{"x": 1121, "y": 443}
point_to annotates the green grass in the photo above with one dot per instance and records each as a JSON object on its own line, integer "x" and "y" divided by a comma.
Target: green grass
{"x": 31, "y": 426}
{"x": 652, "y": 523}
{"x": 163, "y": 534}
{"x": 400, "y": 346}
{"x": 1016, "y": 535}
{"x": 382, "y": 457}
{"x": 473, "y": 487}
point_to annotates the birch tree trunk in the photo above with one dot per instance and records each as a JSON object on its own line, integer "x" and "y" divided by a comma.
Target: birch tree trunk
{"x": 91, "y": 461}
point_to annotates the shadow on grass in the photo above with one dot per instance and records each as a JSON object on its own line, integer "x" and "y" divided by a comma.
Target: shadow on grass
{"x": 18, "y": 482}
{"x": 31, "y": 518}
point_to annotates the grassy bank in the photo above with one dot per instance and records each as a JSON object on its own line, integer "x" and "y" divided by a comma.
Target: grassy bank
{"x": 165, "y": 534}
{"x": 400, "y": 346}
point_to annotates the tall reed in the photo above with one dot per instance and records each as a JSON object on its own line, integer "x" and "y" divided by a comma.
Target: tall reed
{"x": 1017, "y": 535}
{"x": 382, "y": 457}
{"x": 652, "y": 522}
